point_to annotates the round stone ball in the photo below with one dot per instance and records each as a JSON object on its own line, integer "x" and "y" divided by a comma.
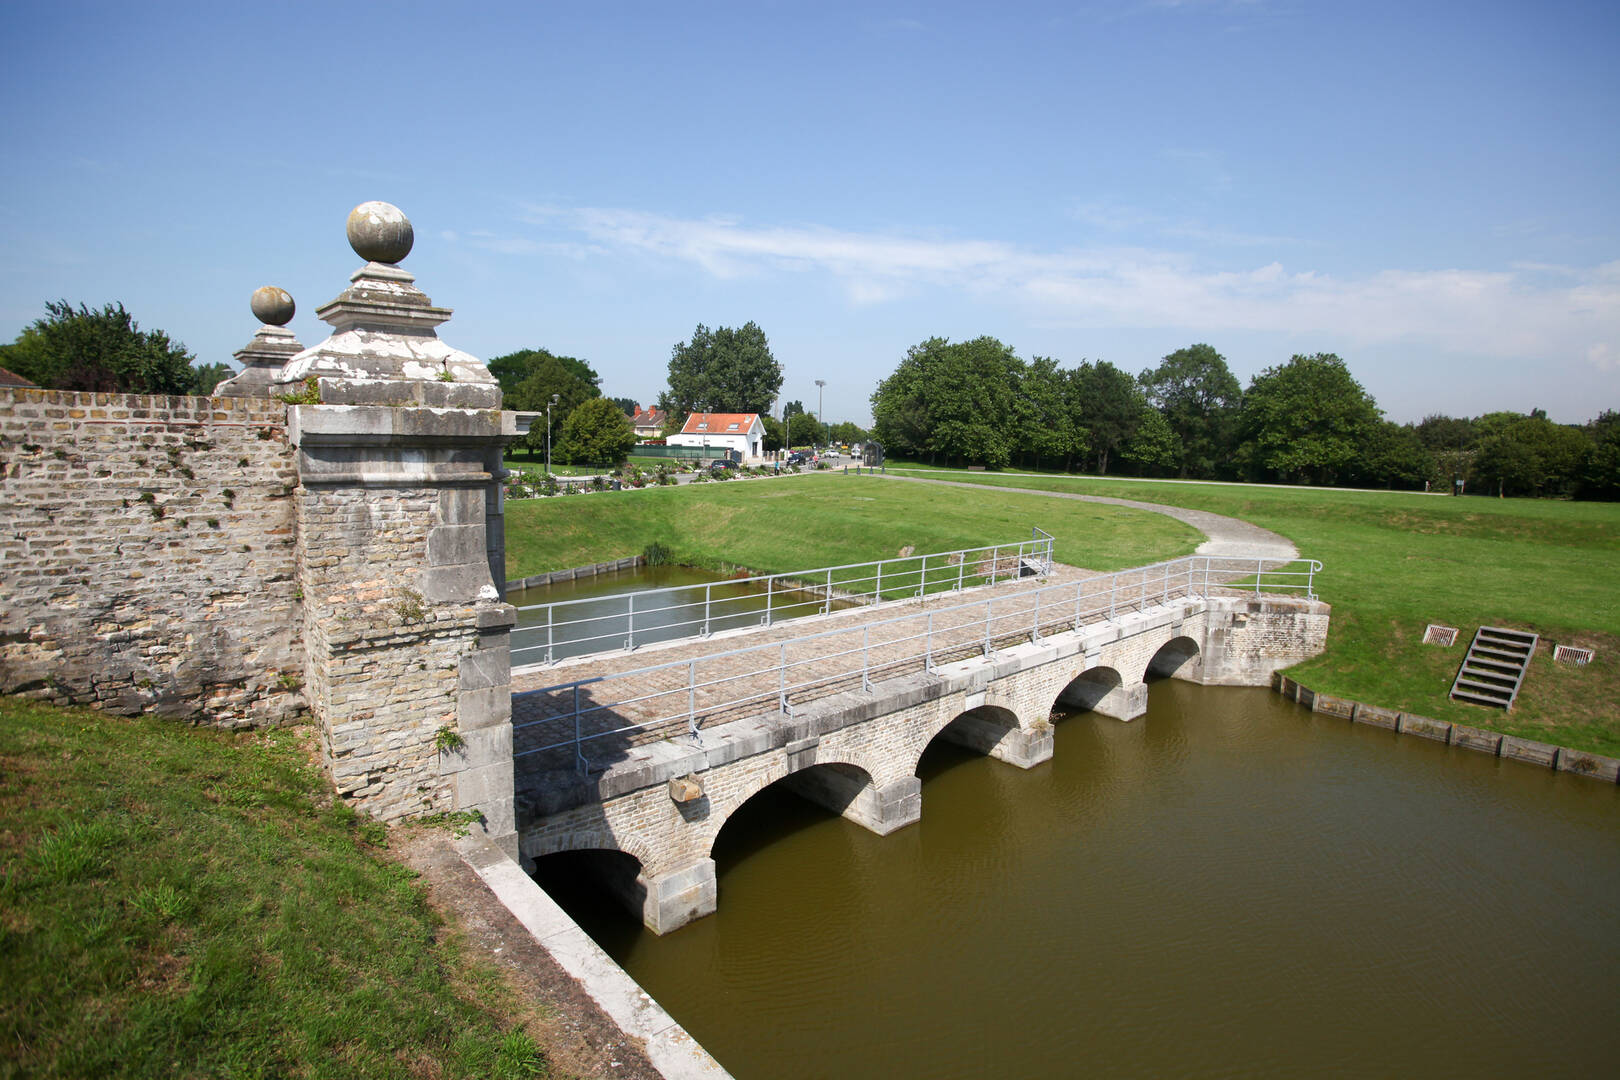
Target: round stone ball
{"x": 380, "y": 232}
{"x": 273, "y": 306}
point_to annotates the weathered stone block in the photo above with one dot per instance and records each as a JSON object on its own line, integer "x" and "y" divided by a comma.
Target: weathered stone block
{"x": 1595, "y": 766}
{"x": 1470, "y": 738}
{"x": 1424, "y": 727}
{"x": 1536, "y": 753}
{"x": 1375, "y": 717}
{"x": 1333, "y": 706}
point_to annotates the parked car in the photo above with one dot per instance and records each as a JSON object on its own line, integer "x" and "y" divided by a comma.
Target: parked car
{"x": 798, "y": 457}
{"x": 720, "y": 465}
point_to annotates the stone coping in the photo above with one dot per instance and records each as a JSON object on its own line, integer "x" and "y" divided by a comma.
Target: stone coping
{"x": 673, "y": 1052}
{"x": 1561, "y": 758}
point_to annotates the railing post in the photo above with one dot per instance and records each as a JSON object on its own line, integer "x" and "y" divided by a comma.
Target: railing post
{"x": 826, "y": 603}
{"x": 1164, "y": 601}
{"x": 550, "y": 610}
{"x": 781, "y": 682}
{"x": 1310, "y": 580}
{"x": 866, "y": 659}
{"x": 1113, "y": 595}
{"x": 922, "y": 578}
{"x": 1079, "y": 602}
{"x": 630, "y": 617}
{"x": 877, "y": 590}
{"x": 769, "y": 582}
{"x": 579, "y": 747}
{"x": 995, "y": 563}
{"x": 708, "y": 594}
{"x": 989, "y": 601}
{"x": 1259, "y": 568}
{"x": 928, "y": 646}
{"x": 691, "y": 698}
{"x": 1208, "y": 562}
{"x": 961, "y": 565}
{"x": 1035, "y": 631}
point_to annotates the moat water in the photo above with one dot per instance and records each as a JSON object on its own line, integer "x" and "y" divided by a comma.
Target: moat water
{"x": 1227, "y": 886}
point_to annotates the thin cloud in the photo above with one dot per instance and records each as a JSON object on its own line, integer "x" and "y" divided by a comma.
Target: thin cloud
{"x": 1514, "y": 312}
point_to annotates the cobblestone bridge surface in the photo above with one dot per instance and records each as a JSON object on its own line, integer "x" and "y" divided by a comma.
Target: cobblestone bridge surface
{"x": 628, "y": 699}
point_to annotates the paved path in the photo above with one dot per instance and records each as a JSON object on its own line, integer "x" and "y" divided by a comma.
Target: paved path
{"x": 1228, "y": 537}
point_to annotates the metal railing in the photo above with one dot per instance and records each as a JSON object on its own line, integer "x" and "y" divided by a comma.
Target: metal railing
{"x": 550, "y": 632}
{"x": 664, "y": 700}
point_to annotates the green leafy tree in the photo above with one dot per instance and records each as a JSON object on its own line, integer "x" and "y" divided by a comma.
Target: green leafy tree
{"x": 722, "y": 370}
{"x": 847, "y": 431}
{"x": 1154, "y": 448}
{"x": 596, "y": 433}
{"x": 626, "y": 405}
{"x": 1109, "y": 404}
{"x": 104, "y": 350}
{"x": 1600, "y": 472}
{"x": 956, "y": 400}
{"x": 205, "y": 377}
{"x": 1307, "y": 420}
{"x": 549, "y": 375}
{"x": 1393, "y": 457}
{"x": 1531, "y": 456}
{"x": 775, "y": 433}
{"x": 792, "y": 408}
{"x": 1047, "y": 433}
{"x": 514, "y": 368}
{"x": 1199, "y": 397}
{"x": 803, "y": 430}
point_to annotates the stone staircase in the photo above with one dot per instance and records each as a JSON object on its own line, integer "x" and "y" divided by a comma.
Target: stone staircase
{"x": 1494, "y": 668}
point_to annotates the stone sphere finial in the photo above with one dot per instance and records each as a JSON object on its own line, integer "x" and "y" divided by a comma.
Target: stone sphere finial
{"x": 273, "y": 306}
{"x": 380, "y": 232}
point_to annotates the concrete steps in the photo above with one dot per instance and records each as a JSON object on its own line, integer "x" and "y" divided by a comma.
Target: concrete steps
{"x": 1494, "y": 668}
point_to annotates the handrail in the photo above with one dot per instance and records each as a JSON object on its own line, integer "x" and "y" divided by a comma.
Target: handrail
{"x": 940, "y": 632}
{"x": 807, "y": 592}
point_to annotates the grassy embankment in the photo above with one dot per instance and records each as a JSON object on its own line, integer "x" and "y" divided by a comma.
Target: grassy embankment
{"x": 180, "y": 902}
{"x": 1396, "y": 561}
{"x": 775, "y": 525}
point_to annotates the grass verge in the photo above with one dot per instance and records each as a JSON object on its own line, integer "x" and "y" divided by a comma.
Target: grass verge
{"x": 1396, "y": 561}
{"x": 795, "y": 523}
{"x": 181, "y": 902}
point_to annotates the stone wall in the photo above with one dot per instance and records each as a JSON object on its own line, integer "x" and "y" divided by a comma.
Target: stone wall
{"x": 147, "y": 554}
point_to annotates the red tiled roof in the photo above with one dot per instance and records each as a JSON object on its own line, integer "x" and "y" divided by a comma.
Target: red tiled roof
{"x": 8, "y": 378}
{"x": 719, "y": 423}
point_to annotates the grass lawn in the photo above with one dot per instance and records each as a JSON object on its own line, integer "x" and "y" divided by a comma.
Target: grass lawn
{"x": 1397, "y": 561}
{"x": 181, "y": 902}
{"x": 796, "y": 523}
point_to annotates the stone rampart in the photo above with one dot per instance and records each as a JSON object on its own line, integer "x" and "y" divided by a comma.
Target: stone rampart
{"x": 147, "y": 554}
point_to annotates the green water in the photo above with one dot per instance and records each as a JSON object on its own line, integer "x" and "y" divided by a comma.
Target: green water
{"x": 1228, "y": 886}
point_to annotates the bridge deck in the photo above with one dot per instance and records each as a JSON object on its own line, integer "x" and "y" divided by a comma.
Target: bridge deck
{"x": 659, "y": 692}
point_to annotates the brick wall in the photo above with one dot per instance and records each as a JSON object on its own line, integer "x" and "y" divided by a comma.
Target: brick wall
{"x": 147, "y": 554}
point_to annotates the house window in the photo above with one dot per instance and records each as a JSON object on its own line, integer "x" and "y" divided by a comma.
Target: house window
{"x": 703, "y": 426}
{"x": 731, "y": 427}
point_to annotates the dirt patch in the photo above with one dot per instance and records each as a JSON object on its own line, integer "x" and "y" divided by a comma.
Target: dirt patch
{"x": 578, "y": 1037}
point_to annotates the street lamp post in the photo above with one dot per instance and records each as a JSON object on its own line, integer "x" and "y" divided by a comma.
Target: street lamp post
{"x": 821, "y": 417}
{"x": 549, "y": 404}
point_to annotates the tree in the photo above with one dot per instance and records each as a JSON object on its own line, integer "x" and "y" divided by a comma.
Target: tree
{"x": 1199, "y": 397}
{"x": 958, "y": 400}
{"x": 775, "y": 433}
{"x": 626, "y": 405}
{"x": 1110, "y": 404}
{"x": 549, "y": 375}
{"x": 1531, "y": 456}
{"x": 722, "y": 370}
{"x": 847, "y": 431}
{"x": 803, "y": 430}
{"x": 207, "y": 376}
{"x": 791, "y": 409}
{"x": 512, "y": 369}
{"x": 1393, "y": 457}
{"x": 596, "y": 433}
{"x": 1600, "y": 472}
{"x": 1047, "y": 426}
{"x": 103, "y": 350}
{"x": 1154, "y": 448}
{"x": 1307, "y": 420}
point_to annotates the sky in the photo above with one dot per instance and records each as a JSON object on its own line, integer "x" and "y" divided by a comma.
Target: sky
{"x": 1429, "y": 189}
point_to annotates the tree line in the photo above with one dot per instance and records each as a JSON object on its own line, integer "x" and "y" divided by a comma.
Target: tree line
{"x": 1304, "y": 421}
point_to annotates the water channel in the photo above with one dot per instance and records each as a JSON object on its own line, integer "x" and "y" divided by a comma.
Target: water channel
{"x": 677, "y": 610}
{"x": 1227, "y": 886}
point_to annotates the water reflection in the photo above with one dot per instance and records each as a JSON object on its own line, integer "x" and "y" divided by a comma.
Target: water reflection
{"x": 1227, "y": 885}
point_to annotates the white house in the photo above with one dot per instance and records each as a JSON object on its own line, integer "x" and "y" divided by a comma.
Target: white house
{"x": 741, "y": 432}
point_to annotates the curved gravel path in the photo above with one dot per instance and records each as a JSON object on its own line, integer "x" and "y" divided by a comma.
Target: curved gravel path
{"x": 1228, "y": 537}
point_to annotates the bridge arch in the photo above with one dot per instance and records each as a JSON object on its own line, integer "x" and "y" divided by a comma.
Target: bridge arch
{"x": 1178, "y": 658}
{"x": 1103, "y": 690}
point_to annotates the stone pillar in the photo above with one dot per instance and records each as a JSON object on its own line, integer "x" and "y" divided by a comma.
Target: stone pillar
{"x": 399, "y": 443}
{"x": 850, "y": 793}
{"x": 1003, "y": 739}
{"x": 263, "y": 358}
{"x": 669, "y": 901}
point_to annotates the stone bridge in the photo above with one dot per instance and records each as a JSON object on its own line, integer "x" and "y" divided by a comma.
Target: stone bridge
{"x": 855, "y": 748}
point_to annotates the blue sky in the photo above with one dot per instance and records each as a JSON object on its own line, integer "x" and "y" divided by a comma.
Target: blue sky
{"x": 1430, "y": 190}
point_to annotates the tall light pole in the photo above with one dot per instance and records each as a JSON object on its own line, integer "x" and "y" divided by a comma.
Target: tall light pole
{"x": 821, "y": 418}
{"x": 549, "y": 404}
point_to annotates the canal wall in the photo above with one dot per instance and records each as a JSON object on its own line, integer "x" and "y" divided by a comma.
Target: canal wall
{"x": 535, "y": 581}
{"x": 148, "y": 561}
{"x": 1510, "y": 747}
